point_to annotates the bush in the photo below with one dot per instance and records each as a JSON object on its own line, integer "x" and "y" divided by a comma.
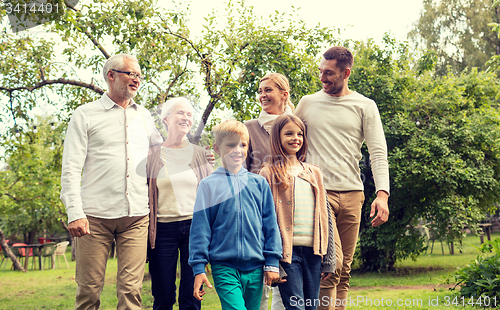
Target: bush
{"x": 481, "y": 278}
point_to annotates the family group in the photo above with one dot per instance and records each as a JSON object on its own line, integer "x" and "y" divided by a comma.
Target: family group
{"x": 281, "y": 216}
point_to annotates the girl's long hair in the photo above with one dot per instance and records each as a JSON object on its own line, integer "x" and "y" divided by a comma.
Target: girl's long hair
{"x": 279, "y": 163}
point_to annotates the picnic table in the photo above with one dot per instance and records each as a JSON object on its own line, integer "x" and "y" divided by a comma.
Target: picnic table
{"x": 26, "y": 251}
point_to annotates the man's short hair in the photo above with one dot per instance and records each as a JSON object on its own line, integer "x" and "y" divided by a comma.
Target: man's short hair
{"x": 230, "y": 128}
{"x": 342, "y": 55}
{"x": 115, "y": 62}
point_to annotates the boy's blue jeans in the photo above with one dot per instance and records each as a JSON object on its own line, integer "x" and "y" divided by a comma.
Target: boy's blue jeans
{"x": 238, "y": 290}
{"x": 172, "y": 241}
{"x": 301, "y": 289}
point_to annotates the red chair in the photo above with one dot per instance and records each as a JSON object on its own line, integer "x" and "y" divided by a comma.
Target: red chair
{"x": 22, "y": 251}
{"x": 18, "y": 252}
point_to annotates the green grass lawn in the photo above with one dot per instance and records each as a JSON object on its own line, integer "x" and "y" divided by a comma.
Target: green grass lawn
{"x": 55, "y": 289}
{"x": 427, "y": 269}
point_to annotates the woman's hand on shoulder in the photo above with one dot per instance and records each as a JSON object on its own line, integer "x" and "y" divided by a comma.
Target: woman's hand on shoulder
{"x": 210, "y": 156}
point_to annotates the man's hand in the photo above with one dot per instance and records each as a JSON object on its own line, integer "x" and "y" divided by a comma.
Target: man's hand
{"x": 380, "y": 204}
{"x": 199, "y": 280}
{"x": 270, "y": 277}
{"x": 79, "y": 228}
{"x": 325, "y": 275}
{"x": 210, "y": 156}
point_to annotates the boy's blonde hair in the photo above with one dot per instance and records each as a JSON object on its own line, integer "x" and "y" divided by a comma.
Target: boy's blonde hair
{"x": 230, "y": 127}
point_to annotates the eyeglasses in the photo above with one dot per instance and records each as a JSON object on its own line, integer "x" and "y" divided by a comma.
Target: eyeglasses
{"x": 131, "y": 75}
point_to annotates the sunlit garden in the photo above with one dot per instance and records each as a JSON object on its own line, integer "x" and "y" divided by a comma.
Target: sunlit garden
{"x": 421, "y": 284}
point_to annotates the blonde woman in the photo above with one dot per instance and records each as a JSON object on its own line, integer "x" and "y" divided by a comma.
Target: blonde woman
{"x": 274, "y": 97}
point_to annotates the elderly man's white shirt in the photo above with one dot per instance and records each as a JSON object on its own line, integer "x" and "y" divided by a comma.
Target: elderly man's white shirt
{"x": 111, "y": 145}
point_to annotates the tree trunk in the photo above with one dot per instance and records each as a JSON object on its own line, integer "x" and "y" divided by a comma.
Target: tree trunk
{"x": 31, "y": 237}
{"x": 17, "y": 265}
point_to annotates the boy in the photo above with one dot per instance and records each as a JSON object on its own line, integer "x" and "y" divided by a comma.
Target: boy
{"x": 234, "y": 226}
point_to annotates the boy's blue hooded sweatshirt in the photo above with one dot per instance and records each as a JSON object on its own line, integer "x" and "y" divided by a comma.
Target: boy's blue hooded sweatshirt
{"x": 234, "y": 223}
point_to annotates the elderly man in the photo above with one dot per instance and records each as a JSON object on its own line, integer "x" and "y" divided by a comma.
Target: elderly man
{"x": 109, "y": 139}
{"x": 338, "y": 121}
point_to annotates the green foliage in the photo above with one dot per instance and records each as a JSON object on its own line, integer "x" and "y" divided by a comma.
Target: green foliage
{"x": 443, "y": 138}
{"x": 481, "y": 278}
{"x": 29, "y": 184}
{"x": 282, "y": 44}
{"x": 384, "y": 75}
{"x": 172, "y": 61}
{"x": 457, "y": 31}
{"x": 494, "y": 62}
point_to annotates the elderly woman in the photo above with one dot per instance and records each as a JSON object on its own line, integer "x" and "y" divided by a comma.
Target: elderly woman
{"x": 274, "y": 97}
{"x": 174, "y": 170}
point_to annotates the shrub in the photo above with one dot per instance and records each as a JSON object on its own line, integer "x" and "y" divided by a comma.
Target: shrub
{"x": 481, "y": 278}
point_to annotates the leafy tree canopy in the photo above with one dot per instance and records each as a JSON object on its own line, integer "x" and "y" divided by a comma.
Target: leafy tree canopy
{"x": 443, "y": 137}
{"x": 223, "y": 59}
{"x": 457, "y": 31}
{"x": 30, "y": 182}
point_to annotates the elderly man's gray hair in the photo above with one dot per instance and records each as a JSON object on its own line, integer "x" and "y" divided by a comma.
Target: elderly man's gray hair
{"x": 115, "y": 62}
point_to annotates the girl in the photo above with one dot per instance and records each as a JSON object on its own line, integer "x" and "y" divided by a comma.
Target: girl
{"x": 303, "y": 215}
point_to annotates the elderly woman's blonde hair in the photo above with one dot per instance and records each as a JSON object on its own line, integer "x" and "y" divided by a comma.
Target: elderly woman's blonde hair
{"x": 169, "y": 106}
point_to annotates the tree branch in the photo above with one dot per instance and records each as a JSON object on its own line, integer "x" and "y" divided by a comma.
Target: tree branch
{"x": 88, "y": 34}
{"x": 204, "y": 118}
{"x": 42, "y": 74}
{"x": 156, "y": 85}
{"x": 206, "y": 65}
{"x": 177, "y": 76}
{"x": 9, "y": 253}
{"x": 58, "y": 81}
{"x": 17, "y": 199}
{"x": 180, "y": 37}
{"x": 71, "y": 7}
{"x": 95, "y": 42}
{"x": 19, "y": 178}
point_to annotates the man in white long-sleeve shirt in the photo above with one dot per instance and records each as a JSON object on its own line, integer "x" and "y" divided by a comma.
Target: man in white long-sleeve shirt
{"x": 338, "y": 121}
{"x": 109, "y": 139}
